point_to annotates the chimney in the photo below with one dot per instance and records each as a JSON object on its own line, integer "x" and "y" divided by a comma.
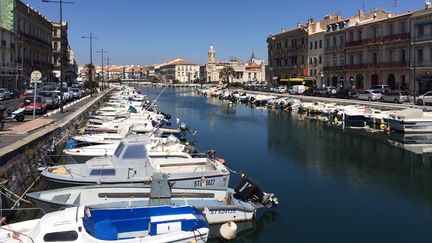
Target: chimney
{"x": 283, "y": 30}
{"x": 361, "y": 13}
{"x": 428, "y": 4}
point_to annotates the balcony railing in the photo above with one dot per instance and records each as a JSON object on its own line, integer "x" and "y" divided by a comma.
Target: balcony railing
{"x": 381, "y": 40}
{"x": 35, "y": 39}
{"x": 330, "y": 68}
{"x": 422, "y": 64}
{"x": 381, "y": 65}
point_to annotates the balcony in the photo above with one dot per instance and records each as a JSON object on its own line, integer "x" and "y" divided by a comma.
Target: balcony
{"x": 333, "y": 68}
{"x": 382, "y": 65}
{"x": 379, "y": 40}
{"x": 35, "y": 39}
{"x": 422, "y": 64}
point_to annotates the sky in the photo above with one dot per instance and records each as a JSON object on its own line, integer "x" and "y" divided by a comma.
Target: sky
{"x": 145, "y": 32}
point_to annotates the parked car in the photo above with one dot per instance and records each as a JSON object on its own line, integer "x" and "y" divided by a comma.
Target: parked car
{"x": 297, "y": 89}
{"x": 40, "y": 105}
{"x": 51, "y": 99}
{"x": 5, "y": 94}
{"x": 369, "y": 95}
{"x": 345, "y": 93}
{"x": 396, "y": 97}
{"x": 67, "y": 96}
{"x": 76, "y": 93}
{"x": 384, "y": 88}
{"x": 311, "y": 91}
{"x": 327, "y": 91}
{"x": 425, "y": 98}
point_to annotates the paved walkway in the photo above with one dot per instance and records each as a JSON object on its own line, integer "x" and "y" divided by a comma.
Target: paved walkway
{"x": 33, "y": 130}
{"x": 29, "y": 126}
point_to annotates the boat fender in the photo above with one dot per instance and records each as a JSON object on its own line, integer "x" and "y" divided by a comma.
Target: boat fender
{"x": 220, "y": 160}
{"x": 335, "y": 120}
{"x": 382, "y": 126}
{"x": 228, "y": 230}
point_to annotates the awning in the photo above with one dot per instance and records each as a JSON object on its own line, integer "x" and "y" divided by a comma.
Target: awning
{"x": 300, "y": 80}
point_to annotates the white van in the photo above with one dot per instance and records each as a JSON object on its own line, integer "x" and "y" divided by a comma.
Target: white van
{"x": 297, "y": 89}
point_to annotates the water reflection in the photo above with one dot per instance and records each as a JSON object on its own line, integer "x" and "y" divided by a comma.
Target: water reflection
{"x": 248, "y": 231}
{"x": 366, "y": 161}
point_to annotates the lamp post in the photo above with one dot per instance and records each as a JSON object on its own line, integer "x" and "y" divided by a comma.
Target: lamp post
{"x": 102, "y": 51}
{"x": 60, "y": 2}
{"x": 108, "y": 59}
{"x": 90, "y": 37}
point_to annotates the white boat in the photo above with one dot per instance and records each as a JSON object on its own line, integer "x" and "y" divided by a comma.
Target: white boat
{"x": 217, "y": 205}
{"x": 131, "y": 164}
{"x": 411, "y": 120}
{"x": 132, "y": 225}
{"x": 158, "y": 147}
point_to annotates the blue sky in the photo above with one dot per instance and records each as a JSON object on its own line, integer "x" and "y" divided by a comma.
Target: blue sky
{"x": 148, "y": 32}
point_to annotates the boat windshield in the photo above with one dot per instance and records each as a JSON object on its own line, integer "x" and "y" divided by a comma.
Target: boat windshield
{"x": 119, "y": 150}
{"x": 135, "y": 151}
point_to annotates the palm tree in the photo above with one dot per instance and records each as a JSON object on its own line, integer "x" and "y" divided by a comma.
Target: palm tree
{"x": 89, "y": 68}
{"x": 225, "y": 74}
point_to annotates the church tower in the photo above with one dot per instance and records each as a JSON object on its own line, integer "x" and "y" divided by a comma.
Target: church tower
{"x": 211, "y": 55}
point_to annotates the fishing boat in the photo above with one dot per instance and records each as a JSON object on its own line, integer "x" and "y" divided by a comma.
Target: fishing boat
{"x": 85, "y": 225}
{"x": 217, "y": 205}
{"x": 131, "y": 164}
{"x": 411, "y": 120}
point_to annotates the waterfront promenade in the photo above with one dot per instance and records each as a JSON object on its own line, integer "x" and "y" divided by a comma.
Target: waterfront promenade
{"x": 17, "y": 135}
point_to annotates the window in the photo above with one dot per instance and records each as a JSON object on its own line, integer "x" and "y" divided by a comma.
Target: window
{"x": 135, "y": 151}
{"x": 351, "y": 59}
{"x": 61, "y": 236}
{"x": 310, "y": 46}
{"x": 320, "y": 44}
{"x": 360, "y": 35}
{"x": 320, "y": 60}
{"x": 375, "y": 32}
{"x": 420, "y": 31}
{"x": 351, "y": 34}
{"x": 119, "y": 150}
{"x": 341, "y": 40}
{"x": 390, "y": 56}
{"x": 316, "y": 44}
{"x": 390, "y": 29}
{"x": 374, "y": 58}
{"x": 334, "y": 41}
{"x": 359, "y": 59}
{"x": 328, "y": 44}
{"x": 102, "y": 172}
{"x": 403, "y": 56}
{"x": 420, "y": 55}
{"x": 402, "y": 27}
{"x": 310, "y": 60}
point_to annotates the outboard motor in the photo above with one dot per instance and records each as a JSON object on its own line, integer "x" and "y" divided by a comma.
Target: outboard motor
{"x": 249, "y": 191}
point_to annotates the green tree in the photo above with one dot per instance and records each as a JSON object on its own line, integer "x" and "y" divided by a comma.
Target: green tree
{"x": 226, "y": 73}
{"x": 88, "y": 68}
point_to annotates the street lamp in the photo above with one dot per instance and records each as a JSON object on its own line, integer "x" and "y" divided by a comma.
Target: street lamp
{"x": 60, "y": 2}
{"x": 90, "y": 37}
{"x": 108, "y": 59}
{"x": 102, "y": 51}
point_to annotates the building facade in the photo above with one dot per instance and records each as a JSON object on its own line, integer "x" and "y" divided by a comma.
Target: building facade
{"x": 34, "y": 43}
{"x": 377, "y": 50}
{"x": 8, "y": 65}
{"x": 60, "y": 46}
{"x": 287, "y": 54}
{"x": 181, "y": 71}
{"x": 421, "y": 50}
{"x": 316, "y": 52}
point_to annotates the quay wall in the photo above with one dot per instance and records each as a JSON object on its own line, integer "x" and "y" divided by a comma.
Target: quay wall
{"x": 19, "y": 162}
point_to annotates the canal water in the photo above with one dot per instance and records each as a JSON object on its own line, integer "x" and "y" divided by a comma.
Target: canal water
{"x": 332, "y": 185}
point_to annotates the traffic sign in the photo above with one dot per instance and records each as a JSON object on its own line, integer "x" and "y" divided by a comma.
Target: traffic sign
{"x": 36, "y": 76}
